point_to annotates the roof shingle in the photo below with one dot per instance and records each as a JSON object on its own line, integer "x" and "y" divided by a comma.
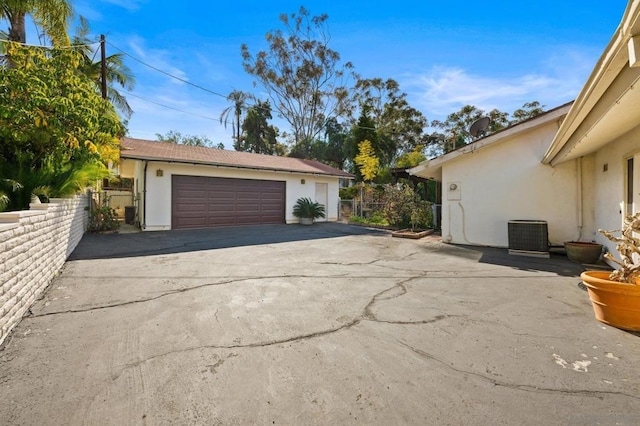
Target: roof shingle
{"x": 140, "y": 149}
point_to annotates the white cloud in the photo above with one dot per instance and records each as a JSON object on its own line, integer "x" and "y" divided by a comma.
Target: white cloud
{"x": 444, "y": 90}
{"x": 157, "y": 58}
{"x": 125, "y": 4}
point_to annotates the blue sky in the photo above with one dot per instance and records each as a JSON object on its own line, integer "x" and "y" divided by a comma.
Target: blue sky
{"x": 444, "y": 54}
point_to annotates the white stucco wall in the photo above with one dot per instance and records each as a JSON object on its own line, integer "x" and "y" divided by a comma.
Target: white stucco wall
{"x": 158, "y": 190}
{"x": 507, "y": 181}
{"x": 610, "y": 185}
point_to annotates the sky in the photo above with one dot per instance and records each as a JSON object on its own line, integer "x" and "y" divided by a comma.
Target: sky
{"x": 444, "y": 54}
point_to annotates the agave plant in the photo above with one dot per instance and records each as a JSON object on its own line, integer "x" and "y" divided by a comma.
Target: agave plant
{"x": 307, "y": 208}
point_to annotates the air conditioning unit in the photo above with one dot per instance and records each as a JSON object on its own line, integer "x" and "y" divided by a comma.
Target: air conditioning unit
{"x": 528, "y": 238}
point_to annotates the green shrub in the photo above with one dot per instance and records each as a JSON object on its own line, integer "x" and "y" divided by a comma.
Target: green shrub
{"x": 103, "y": 219}
{"x": 404, "y": 208}
{"x": 348, "y": 193}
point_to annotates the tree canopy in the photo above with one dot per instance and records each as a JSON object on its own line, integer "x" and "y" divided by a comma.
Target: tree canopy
{"x": 52, "y": 16}
{"x": 453, "y": 132}
{"x": 52, "y": 121}
{"x": 302, "y": 76}
{"x": 257, "y": 135}
{"x": 173, "y": 136}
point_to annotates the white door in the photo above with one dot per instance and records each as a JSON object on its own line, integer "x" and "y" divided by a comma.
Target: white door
{"x": 322, "y": 197}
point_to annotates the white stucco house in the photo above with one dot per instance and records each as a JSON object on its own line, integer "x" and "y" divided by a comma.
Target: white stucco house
{"x": 182, "y": 187}
{"x": 572, "y": 167}
{"x": 500, "y": 178}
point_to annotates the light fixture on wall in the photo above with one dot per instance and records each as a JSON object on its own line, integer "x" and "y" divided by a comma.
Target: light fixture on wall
{"x": 159, "y": 173}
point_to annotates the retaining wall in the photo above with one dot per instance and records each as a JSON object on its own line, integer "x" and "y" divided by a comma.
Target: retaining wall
{"x": 34, "y": 244}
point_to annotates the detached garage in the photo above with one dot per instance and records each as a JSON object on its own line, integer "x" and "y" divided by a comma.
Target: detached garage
{"x": 185, "y": 187}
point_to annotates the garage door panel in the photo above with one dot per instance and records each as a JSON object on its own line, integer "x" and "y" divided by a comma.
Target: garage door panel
{"x": 208, "y": 202}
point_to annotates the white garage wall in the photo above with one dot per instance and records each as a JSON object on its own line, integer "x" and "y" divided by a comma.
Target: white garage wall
{"x": 158, "y": 191}
{"x": 506, "y": 181}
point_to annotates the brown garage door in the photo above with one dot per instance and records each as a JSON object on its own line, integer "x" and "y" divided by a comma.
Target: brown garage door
{"x": 202, "y": 202}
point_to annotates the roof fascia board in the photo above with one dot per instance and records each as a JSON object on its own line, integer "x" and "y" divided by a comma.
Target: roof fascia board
{"x": 229, "y": 166}
{"x": 523, "y": 127}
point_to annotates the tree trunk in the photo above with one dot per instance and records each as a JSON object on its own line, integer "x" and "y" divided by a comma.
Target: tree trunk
{"x": 17, "y": 30}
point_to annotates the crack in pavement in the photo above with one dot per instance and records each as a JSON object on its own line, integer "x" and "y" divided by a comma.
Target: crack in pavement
{"x": 366, "y": 315}
{"x": 524, "y": 388}
{"x": 267, "y": 343}
{"x": 133, "y": 302}
{"x": 187, "y": 289}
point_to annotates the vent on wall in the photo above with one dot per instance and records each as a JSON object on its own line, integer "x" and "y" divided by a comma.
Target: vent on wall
{"x": 528, "y": 238}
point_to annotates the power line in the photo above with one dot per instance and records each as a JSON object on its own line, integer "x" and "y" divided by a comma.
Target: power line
{"x": 166, "y": 73}
{"x": 175, "y": 77}
{"x": 169, "y": 107}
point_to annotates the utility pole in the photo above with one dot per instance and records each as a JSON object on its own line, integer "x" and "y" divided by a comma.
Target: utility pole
{"x": 103, "y": 68}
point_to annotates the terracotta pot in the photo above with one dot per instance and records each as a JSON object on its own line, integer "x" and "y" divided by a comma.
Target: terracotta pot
{"x": 614, "y": 303}
{"x": 583, "y": 252}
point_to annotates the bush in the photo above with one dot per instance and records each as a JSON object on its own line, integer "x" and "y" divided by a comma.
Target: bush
{"x": 103, "y": 219}
{"x": 348, "y": 193}
{"x": 404, "y": 208}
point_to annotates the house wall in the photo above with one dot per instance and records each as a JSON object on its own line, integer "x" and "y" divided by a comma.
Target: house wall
{"x": 158, "y": 189}
{"x": 34, "y": 245}
{"x": 609, "y": 190}
{"x": 506, "y": 181}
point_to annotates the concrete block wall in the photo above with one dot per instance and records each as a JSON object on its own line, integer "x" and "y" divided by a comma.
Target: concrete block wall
{"x": 34, "y": 244}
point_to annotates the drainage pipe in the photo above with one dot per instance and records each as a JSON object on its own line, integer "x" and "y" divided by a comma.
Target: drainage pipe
{"x": 144, "y": 197}
{"x": 580, "y": 196}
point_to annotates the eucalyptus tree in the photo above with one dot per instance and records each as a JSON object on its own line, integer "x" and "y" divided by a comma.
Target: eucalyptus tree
{"x": 52, "y": 16}
{"x": 400, "y": 127}
{"x": 456, "y": 126}
{"x": 528, "y": 110}
{"x": 239, "y": 100}
{"x": 303, "y": 77}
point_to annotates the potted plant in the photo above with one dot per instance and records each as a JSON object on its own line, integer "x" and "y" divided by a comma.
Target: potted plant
{"x": 615, "y": 296}
{"x": 583, "y": 252}
{"x": 307, "y": 210}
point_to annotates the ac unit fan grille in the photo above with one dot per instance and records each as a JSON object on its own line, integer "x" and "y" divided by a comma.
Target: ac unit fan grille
{"x": 528, "y": 235}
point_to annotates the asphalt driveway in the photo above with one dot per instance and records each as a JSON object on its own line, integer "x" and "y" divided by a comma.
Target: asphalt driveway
{"x": 330, "y": 324}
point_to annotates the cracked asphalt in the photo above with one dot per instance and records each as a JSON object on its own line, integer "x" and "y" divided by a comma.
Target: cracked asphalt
{"x": 329, "y": 324}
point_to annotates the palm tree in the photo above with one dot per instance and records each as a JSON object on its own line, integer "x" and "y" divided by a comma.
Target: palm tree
{"x": 117, "y": 71}
{"x": 51, "y": 15}
{"x": 239, "y": 98}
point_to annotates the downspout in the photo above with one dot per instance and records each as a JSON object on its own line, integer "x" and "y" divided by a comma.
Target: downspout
{"x": 580, "y": 195}
{"x": 144, "y": 197}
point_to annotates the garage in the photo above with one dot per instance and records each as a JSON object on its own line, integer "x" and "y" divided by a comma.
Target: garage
{"x": 203, "y": 202}
{"x": 188, "y": 187}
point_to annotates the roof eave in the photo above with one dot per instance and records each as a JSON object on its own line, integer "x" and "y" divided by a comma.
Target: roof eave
{"x": 229, "y": 166}
{"x": 433, "y": 168}
{"x": 609, "y": 67}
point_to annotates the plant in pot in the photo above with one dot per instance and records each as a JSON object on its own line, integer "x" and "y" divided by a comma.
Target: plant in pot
{"x": 307, "y": 210}
{"x": 615, "y": 296}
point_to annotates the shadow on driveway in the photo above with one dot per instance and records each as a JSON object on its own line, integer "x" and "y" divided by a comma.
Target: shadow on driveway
{"x": 106, "y": 246}
{"x": 558, "y": 263}
{"x": 110, "y": 246}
